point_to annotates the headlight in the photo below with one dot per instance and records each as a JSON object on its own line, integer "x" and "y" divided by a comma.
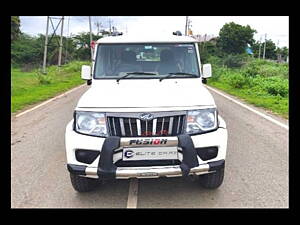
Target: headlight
{"x": 202, "y": 120}
{"x": 91, "y": 123}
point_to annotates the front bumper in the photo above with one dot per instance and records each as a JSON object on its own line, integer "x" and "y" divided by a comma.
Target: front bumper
{"x": 149, "y": 172}
{"x": 104, "y": 165}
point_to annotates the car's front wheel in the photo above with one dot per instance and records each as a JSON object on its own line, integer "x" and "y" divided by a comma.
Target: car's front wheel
{"x": 83, "y": 184}
{"x": 212, "y": 180}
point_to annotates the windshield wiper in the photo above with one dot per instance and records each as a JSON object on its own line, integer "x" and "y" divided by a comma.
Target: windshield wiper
{"x": 178, "y": 73}
{"x": 134, "y": 73}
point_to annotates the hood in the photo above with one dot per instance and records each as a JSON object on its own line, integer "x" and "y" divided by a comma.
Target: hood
{"x": 134, "y": 93}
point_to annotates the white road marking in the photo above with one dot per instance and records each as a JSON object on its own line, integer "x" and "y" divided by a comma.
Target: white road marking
{"x": 50, "y": 100}
{"x": 133, "y": 193}
{"x": 250, "y": 109}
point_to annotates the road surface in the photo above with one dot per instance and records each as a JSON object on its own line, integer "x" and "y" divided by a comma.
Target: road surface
{"x": 256, "y": 173}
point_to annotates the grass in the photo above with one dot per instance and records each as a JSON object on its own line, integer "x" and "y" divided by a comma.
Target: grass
{"x": 275, "y": 104}
{"x": 262, "y": 84}
{"x": 28, "y": 88}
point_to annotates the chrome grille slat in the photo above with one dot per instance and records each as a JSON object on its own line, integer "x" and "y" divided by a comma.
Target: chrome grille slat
{"x": 138, "y": 123}
{"x": 129, "y": 121}
{"x": 154, "y": 127}
{"x": 170, "y": 125}
{"x": 114, "y": 126}
{"x": 122, "y": 126}
{"x": 178, "y": 124}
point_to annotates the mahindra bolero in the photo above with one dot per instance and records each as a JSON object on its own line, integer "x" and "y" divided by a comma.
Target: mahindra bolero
{"x": 146, "y": 114}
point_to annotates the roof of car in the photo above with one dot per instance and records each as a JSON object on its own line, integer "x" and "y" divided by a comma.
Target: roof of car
{"x": 147, "y": 39}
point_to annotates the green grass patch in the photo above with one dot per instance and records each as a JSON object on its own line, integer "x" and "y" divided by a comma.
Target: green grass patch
{"x": 251, "y": 83}
{"x": 277, "y": 104}
{"x": 28, "y": 88}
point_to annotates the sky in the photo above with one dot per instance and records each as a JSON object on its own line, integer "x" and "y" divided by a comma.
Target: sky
{"x": 275, "y": 27}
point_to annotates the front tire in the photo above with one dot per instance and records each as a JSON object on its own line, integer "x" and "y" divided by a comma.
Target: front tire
{"x": 83, "y": 184}
{"x": 212, "y": 180}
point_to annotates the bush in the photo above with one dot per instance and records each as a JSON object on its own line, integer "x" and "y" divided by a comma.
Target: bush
{"x": 235, "y": 61}
{"x": 236, "y": 80}
{"x": 276, "y": 86}
{"x": 277, "y": 89}
{"x": 215, "y": 61}
{"x": 251, "y": 70}
{"x": 217, "y": 72}
{"x": 28, "y": 67}
{"x": 255, "y": 67}
{"x": 43, "y": 78}
{"x": 74, "y": 66}
{"x": 271, "y": 85}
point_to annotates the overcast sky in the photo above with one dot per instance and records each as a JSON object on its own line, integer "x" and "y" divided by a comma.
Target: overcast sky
{"x": 276, "y": 27}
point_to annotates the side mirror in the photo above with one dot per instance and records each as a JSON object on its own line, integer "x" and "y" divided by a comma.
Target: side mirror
{"x": 86, "y": 72}
{"x": 206, "y": 71}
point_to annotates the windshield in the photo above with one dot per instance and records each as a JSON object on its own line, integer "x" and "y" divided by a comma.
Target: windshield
{"x": 146, "y": 60}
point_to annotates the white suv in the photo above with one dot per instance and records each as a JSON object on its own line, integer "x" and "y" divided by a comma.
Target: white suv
{"x": 147, "y": 114}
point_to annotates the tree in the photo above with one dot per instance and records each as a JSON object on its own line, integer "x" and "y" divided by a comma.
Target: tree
{"x": 255, "y": 48}
{"x": 82, "y": 42}
{"x": 15, "y": 28}
{"x": 234, "y": 38}
{"x": 270, "y": 49}
{"x": 284, "y": 52}
{"x": 26, "y": 50}
{"x": 208, "y": 48}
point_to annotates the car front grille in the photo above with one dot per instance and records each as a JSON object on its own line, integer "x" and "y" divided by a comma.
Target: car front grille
{"x": 166, "y": 125}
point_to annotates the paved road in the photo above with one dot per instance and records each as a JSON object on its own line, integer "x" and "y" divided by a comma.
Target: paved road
{"x": 256, "y": 172}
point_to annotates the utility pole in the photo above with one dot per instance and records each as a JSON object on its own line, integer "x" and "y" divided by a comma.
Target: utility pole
{"x": 186, "y": 24}
{"x": 265, "y": 47}
{"x": 189, "y": 31}
{"x": 109, "y": 21}
{"x": 259, "y": 47}
{"x": 204, "y": 42}
{"x": 45, "y": 50}
{"x": 278, "y": 53}
{"x": 61, "y": 41}
{"x": 91, "y": 38}
{"x": 98, "y": 25}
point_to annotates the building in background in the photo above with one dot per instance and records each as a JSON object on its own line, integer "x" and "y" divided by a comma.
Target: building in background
{"x": 203, "y": 38}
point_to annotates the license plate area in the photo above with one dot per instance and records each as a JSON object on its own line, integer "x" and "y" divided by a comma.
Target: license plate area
{"x": 150, "y": 153}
